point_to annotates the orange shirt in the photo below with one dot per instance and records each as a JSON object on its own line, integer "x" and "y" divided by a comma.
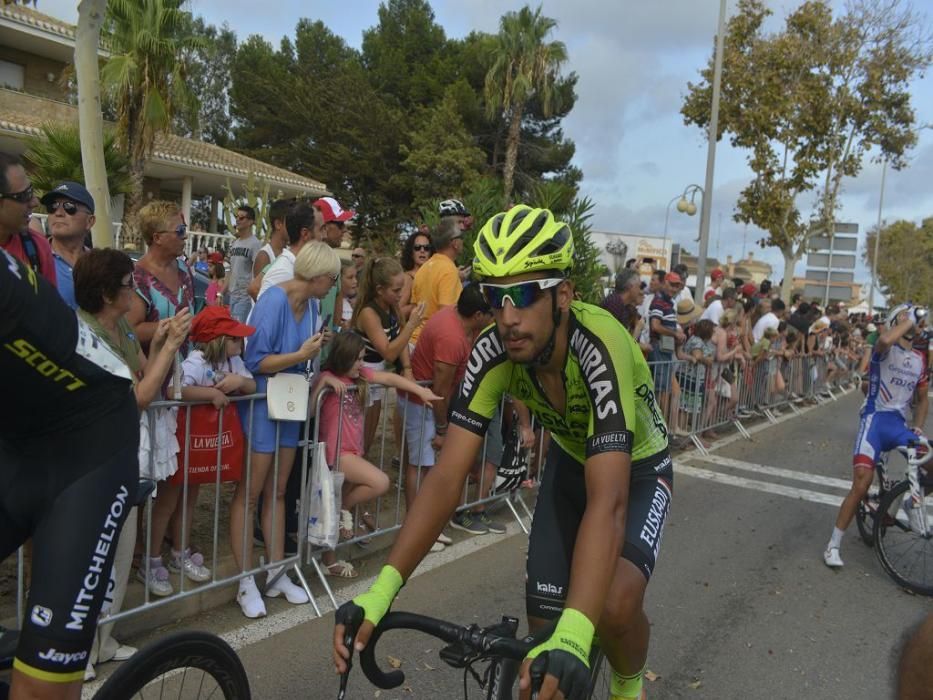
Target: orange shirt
{"x": 437, "y": 284}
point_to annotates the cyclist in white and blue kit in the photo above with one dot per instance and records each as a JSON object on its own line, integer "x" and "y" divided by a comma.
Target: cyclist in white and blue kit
{"x": 896, "y": 372}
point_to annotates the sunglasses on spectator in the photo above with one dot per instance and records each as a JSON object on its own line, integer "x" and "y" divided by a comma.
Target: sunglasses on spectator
{"x": 70, "y": 208}
{"x": 181, "y": 230}
{"x": 521, "y": 294}
{"x": 425, "y": 248}
{"x": 23, "y": 197}
{"x": 357, "y": 255}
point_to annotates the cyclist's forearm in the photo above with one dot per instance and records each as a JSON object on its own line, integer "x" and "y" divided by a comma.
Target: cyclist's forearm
{"x": 437, "y": 498}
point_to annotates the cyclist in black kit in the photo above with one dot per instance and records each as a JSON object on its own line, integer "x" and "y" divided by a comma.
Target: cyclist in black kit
{"x": 69, "y": 433}
{"x": 608, "y": 483}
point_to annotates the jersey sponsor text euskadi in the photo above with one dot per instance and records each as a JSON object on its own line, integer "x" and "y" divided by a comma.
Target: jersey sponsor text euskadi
{"x": 610, "y": 402}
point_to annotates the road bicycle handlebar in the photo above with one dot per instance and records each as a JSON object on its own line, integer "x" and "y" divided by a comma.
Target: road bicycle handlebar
{"x": 483, "y": 641}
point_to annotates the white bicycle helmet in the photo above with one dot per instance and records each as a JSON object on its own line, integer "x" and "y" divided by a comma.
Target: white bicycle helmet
{"x": 452, "y": 207}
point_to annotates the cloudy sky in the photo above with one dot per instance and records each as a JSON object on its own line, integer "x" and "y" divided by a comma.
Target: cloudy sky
{"x": 634, "y": 59}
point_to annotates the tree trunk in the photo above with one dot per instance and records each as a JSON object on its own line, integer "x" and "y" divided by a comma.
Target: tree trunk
{"x": 90, "y": 119}
{"x": 511, "y": 153}
{"x": 790, "y": 262}
{"x": 130, "y": 237}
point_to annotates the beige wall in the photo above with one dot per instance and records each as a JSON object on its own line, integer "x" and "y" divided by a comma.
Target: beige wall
{"x": 37, "y": 70}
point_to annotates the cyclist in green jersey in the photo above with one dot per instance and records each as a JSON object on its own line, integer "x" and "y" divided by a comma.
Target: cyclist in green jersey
{"x": 607, "y": 485}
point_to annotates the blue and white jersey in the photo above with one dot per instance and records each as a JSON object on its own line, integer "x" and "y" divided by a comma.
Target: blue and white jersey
{"x": 892, "y": 378}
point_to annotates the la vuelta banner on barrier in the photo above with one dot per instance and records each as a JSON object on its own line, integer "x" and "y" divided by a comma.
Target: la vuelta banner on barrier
{"x": 203, "y": 439}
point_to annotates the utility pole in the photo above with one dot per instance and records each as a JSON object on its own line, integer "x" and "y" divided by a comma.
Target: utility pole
{"x": 710, "y": 160}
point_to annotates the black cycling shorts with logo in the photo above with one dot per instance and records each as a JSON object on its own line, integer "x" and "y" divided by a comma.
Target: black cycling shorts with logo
{"x": 69, "y": 492}
{"x": 559, "y": 510}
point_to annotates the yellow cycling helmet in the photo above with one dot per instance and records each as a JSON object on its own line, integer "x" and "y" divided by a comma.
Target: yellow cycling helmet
{"x": 520, "y": 240}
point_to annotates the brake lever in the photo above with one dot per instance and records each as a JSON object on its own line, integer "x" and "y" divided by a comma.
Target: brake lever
{"x": 348, "y": 636}
{"x": 351, "y": 625}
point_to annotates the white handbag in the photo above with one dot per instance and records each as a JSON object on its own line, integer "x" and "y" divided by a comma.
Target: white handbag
{"x": 288, "y": 393}
{"x": 287, "y": 396}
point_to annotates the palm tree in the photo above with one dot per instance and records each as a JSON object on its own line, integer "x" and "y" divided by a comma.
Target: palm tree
{"x": 524, "y": 66}
{"x": 56, "y": 156}
{"x": 145, "y": 76}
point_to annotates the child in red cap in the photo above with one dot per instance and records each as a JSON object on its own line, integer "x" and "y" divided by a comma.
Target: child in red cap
{"x": 212, "y": 372}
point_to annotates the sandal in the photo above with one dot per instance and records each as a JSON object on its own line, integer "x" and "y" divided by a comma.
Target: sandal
{"x": 368, "y": 521}
{"x": 341, "y": 569}
{"x": 346, "y": 525}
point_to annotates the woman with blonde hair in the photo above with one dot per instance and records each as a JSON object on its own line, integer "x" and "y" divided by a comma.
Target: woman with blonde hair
{"x": 288, "y": 336}
{"x": 164, "y": 287}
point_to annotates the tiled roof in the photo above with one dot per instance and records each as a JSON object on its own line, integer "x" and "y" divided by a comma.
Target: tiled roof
{"x": 208, "y": 156}
{"x": 31, "y": 17}
{"x": 175, "y": 149}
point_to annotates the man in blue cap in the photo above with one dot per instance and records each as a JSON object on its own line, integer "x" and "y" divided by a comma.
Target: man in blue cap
{"x": 71, "y": 217}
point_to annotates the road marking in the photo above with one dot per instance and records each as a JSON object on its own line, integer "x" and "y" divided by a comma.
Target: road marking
{"x": 773, "y": 471}
{"x": 755, "y": 485}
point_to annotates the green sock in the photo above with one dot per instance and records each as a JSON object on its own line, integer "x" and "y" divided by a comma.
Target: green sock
{"x": 626, "y": 687}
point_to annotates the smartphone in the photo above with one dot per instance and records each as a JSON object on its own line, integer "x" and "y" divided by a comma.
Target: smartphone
{"x": 326, "y": 322}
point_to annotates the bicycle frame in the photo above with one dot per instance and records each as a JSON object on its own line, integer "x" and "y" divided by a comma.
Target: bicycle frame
{"x": 913, "y": 477}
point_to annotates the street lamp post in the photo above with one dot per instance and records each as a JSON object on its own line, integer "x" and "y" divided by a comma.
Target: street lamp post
{"x": 874, "y": 259}
{"x": 684, "y": 206}
{"x": 710, "y": 159}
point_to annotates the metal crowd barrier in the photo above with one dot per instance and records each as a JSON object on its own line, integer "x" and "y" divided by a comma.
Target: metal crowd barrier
{"x": 388, "y": 511}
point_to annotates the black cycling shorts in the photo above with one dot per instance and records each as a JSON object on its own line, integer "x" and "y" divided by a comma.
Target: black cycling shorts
{"x": 559, "y": 510}
{"x": 69, "y": 492}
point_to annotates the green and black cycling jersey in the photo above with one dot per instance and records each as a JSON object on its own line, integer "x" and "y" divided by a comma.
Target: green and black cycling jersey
{"x": 610, "y": 401}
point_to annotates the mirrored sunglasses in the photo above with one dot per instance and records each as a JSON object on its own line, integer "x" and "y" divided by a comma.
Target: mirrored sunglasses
{"x": 70, "y": 208}
{"x": 521, "y": 294}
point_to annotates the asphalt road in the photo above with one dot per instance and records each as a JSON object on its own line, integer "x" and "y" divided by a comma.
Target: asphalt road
{"x": 741, "y": 603}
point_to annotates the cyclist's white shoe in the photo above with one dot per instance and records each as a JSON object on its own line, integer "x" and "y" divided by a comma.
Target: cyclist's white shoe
{"x": 293, "y": 593}
{"x": 832, "y": 558}
{"x": 250, "y": 599}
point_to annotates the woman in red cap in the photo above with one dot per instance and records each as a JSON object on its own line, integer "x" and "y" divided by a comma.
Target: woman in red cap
{"x": 212, "y": 372}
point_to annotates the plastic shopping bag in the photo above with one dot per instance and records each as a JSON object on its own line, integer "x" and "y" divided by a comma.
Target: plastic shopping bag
{"x": 324, "y": 500}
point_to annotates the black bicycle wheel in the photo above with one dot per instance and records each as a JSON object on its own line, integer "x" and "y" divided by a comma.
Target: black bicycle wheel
{"x": 600, "y": 674}
{"x": 905, "y": 554}
{"x": 184, "y": 665}
{"x": 865, "y": 518}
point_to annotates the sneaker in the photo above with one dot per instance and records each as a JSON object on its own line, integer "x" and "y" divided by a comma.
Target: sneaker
{"x": 193, "y": 566}
{"x": 490, "y": 524}
{"x": 158, "y": 582}
{"x": 249, "y": 598}
{"x": 293, "y": 593}
{"x": 466, "y": 522}
{"x": 832, "y": 558}
{"x": 438, "y": 546}
{"x": 444, "y": 539}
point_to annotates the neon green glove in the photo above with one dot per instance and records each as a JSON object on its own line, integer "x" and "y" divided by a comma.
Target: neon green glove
{"x": 565, "y": 655}
{"x": 377, "y": 600}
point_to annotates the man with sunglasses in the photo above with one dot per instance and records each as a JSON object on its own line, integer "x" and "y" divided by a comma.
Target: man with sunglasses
{"x": 241, "y": 255}
{"x": 437, "y": 283}
{"x": 17, "y": 202}
{"x": 71, "y": 216}
{"x": 607, "y": 486}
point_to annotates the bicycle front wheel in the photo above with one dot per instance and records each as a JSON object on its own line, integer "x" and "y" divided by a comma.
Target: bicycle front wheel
{"x": 600, "y": 675}
{"x": 905, "y": 553}
{"x": 186, "y": 665}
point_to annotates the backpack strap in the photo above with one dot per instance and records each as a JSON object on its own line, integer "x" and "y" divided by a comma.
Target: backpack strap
{"x": 32, "y": 252}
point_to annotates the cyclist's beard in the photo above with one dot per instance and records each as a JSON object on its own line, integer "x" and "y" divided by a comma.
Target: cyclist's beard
{"x": 543, "y": 356}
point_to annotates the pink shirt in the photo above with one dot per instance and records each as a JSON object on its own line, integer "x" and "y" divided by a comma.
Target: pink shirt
{"x": 351, "y": 425}
{"x": 213, "y": 296}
